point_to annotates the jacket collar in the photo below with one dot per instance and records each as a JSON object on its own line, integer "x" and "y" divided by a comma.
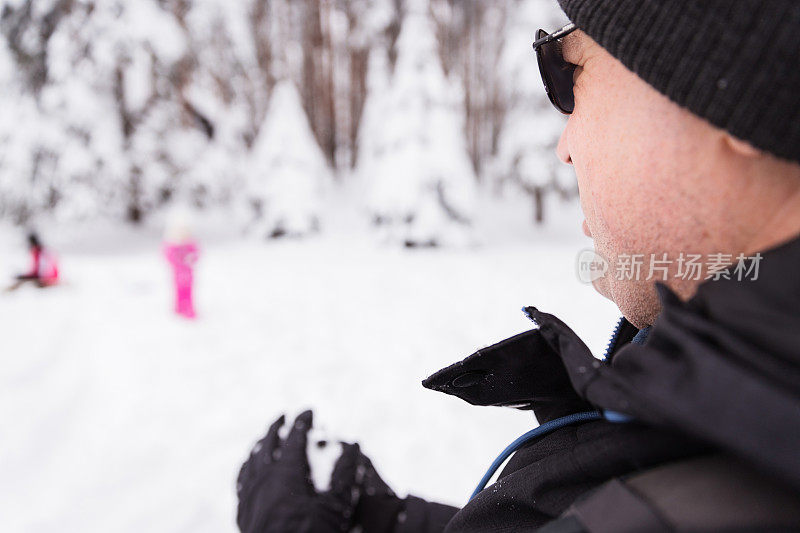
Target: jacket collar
{"x": 525, "y": 371}
{"x": 724, "y": 367}
{"x": 522, "y": 372}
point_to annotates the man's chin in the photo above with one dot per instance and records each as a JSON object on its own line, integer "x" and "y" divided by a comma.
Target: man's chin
{"x": 601, "y": 286}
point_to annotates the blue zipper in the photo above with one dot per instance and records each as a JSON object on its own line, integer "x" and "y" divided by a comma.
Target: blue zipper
{"x": 614, "y": 338}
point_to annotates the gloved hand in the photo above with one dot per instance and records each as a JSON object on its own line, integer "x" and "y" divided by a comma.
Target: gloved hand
{"x": 276, "y": 493}
{"x": 379, "y": 510}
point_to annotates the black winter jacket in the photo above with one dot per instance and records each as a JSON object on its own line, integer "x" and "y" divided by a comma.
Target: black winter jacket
{"x": 714, "y": 391}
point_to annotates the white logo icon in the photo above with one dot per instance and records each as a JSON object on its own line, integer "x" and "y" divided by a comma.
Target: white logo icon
{"x": 591, "y": 266}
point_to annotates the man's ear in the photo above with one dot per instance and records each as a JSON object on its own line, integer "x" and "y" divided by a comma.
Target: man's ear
{"x": 742, "y": 148}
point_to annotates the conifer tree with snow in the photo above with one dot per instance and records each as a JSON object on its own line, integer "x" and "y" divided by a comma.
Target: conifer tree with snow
{"x": 371, "y": 138}
{"x": 94, "y": 85}
{"x": 33, "y": 173}
{"x": 288, "y": 171}
{"x": 119, "y": 108}
{"x": 129, "y": 105}
{"x": 525, "y": 162}
{"x": 422, "y": 184}
{"x": 220, "y": 99}
{"x": 20, "y": 121}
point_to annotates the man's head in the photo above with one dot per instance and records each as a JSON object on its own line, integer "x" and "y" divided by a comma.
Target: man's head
{"x": 656, "y": 178}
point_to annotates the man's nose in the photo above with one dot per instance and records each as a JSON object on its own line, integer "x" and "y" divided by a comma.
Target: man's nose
{"x": 562, "y": 150}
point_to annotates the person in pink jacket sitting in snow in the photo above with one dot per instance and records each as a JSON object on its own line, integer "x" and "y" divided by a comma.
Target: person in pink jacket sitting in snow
{"x": 44, "y": 268}
{"x": 182, "y": 252}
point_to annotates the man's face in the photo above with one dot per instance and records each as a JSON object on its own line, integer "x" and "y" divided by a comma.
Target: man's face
{"x": 642, "y": 164}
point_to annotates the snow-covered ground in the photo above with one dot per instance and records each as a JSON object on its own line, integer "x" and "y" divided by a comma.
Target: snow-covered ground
{"x": 118, "y": 416}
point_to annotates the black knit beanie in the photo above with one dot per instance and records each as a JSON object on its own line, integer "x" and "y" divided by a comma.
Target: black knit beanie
{"x": 735, "y": 63}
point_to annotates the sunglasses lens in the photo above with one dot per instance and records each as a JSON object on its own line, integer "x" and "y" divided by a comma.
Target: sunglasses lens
{"x": 556, "y": 74}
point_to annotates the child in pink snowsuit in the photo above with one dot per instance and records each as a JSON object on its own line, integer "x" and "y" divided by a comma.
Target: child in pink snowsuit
{"x": 44, "y": 268}
{"x": 182, "y": 257}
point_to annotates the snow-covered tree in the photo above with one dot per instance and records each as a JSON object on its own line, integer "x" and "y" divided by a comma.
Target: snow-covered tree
{"x": 136, "y": 103}
{"x": 471, "y": 34}
{"x": 525, "y": 161}
{"x": 94, "y": 83}
{"x": 120, "y": 107}
{"x": 18, "y": 120}
{"x": 422, "y": 184}
{"x": 29, "y": 141}
{"x": 223, "y": 91}
{"x": 373, "y": 34}
{"x": 288, "y": 171}
{"x": 370, "y": 132}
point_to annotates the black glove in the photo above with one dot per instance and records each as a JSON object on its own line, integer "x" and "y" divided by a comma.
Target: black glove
{"x": 379, "y": 510}
{"x": 276, "y": 493}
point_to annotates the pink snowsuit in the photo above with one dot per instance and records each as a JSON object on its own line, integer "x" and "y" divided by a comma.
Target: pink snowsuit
{"x": 182, "y": 258}
{"x": 44, "y": 267}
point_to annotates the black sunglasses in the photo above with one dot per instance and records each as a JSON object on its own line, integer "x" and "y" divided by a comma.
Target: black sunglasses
{"x": 556, "y": 73}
